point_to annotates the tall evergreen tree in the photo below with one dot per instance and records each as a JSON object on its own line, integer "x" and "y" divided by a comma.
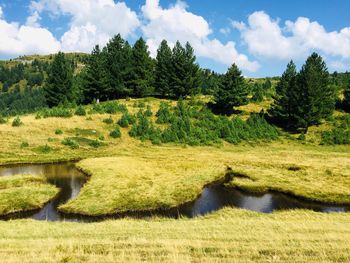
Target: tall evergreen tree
{"x": 118, "y": 65}
{"x": 232, "y": 92}
{"x": 316, "y": 98}
{"x": 95, "y": 79}
{"x": 184, "y": 77}
{"x": 58, "y": 87}
{"x": 347, "y": 98}
{"x": 141, "y": 82}
{"x": 286, "y": 99}
{"x": 163, "y": 69}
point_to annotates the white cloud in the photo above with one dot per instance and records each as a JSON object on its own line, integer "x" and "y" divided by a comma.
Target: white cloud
{"x": 265, "y": 37}
{"x": 225, "y": 31}
{"x": 21, "y": 39}
{"x": 92, "y": 21}
{"x": 176, "y": 23}
{"x": 33, "y": 20}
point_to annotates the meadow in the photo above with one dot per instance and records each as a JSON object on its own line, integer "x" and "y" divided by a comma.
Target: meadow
{"x": 129, "y": 174}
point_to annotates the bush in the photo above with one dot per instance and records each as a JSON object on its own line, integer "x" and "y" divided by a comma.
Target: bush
{"x": 17, "y": 122}
{"x": 163, "y": 115}
{"x": 44, "y": 149}
{"x": 109, "y": 107}
{"x": 24, "y": 145}
{"x": 115, "y": 133}
{"x": 71, "y": 143}
{"x": 338, "y": 135}
{"x": 2, "y": 120}
{"x": 108, "y": 120}
{"x": 95, "y": 143}
{"x": 58, "y": 132}
{"x": 148, "y": 111}
{"x": 126, "y": 120}
{"x": 58, "y": 112}
{"x": 80, "y": 111}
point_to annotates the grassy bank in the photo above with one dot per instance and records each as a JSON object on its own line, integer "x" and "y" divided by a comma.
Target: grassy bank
{"x": 124, "y": 184}
{"x": 229, "y": 235}
{"x": 24, "y": 193}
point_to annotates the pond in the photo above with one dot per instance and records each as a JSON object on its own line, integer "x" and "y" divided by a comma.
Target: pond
{"x": 70, "y": 180}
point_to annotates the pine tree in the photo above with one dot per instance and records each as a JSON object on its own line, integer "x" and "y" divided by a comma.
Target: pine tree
{"x": 232, "y": 91}
{"x": 118, "y": 65}
{"x": 284, "y": 106}
{"x": 184, "y": 77}
{"x": 163, "y": 69}
{"x": 59, "y": 83}
{"x": 347, "y": 98}
{"x": 141, "y": 82}
{"x": 95, "y": 79}
{"x": 315, "y": 97}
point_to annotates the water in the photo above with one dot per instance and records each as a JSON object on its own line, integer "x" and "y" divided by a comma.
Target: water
{"x": 69, "y": 180}
{"x": 64, "y": 176}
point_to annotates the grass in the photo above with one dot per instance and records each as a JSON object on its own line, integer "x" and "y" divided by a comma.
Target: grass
{"x": 229, "y": 235}
{"x": 24, "y": 193}
{"x": 140, "y": 184}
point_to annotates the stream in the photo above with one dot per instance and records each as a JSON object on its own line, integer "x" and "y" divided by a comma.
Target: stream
{"x": 70, "y": 180}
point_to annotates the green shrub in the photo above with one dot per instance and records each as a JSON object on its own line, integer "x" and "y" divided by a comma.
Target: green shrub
{"x": 2, "y": 120}
{"x": 58, "y": 132}
{"x": 108, "y": 120}
{"x": 80, "y": 111}
{"x": 126, "y": 120}
{"x": 109, "y": 107}
{"x": 24, "y": 145}
{"x": 336, "y": 136}
{"x": 38, "y": 116}
{"x": 58, "y": 112}
{"x": 71, "y": 143}
{"x": 17, "y": 122}
{"x": 163, "y": 115}
{"x": 44, "y": 149}
{"x": 101, "y": 138}
{"x": 139, "y": 104}
{"x": 148, "y": 111}
{"x": 96, "y": 143}
{"x": 116, "y": 133}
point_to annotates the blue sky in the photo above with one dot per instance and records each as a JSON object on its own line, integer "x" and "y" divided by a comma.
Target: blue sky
{"x": 261, "y": 36}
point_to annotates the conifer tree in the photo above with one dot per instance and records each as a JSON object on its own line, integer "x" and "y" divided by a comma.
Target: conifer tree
{"x": 315, "y": 97}
{"x": 59, "y": 83}
{"x": 184, "y": 77}
{"x": 118, "y": 65}
{"x": 286, "y": 98}
{"x": 163, "y": 69}
{"x": 95, "y": 80}
{"x": 141, "y": 75}
{"x": 347, "y": 98}
{"x": 232, "y": 91}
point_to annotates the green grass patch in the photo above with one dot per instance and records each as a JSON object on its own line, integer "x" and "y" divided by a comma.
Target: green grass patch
{"x": 137, "y": 184}
{"x": 23, "y": 193}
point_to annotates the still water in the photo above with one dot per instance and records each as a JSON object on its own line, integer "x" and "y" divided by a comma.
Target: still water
{"x": 69, "y": 180}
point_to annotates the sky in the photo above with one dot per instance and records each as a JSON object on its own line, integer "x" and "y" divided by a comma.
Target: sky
{"x": 260, "y": 36}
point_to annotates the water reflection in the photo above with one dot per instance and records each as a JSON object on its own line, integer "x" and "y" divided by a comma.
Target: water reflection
{"x": 70, "y": 181}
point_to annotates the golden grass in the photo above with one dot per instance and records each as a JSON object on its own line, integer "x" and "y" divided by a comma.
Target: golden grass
{"x": 229, "y": 235}
{"x": 23, "y": 193}
{"x": 125, "y": 184}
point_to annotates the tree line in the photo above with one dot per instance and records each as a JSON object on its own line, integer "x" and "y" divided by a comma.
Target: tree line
{"x": 121, "y": 70}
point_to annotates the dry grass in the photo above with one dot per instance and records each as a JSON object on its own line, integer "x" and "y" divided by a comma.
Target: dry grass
{"x": 23, "y": 193}
{"x": 229, "y": 235}
{"x": 125, "y": 184}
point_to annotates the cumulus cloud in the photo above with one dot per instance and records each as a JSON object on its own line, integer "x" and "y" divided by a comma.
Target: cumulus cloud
{"x": 176, "y": 23}
{"x": 265, "y": 37}
{"x": 92, "y": 22}
{"x": 24, "y": 39}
